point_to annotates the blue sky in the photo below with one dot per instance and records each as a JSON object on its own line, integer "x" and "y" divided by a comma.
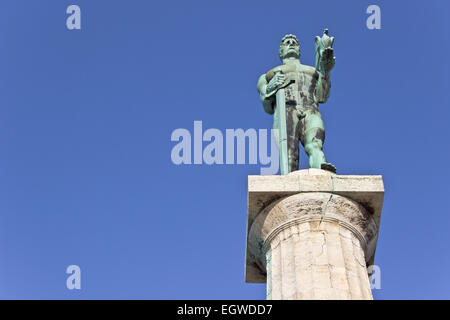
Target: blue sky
{"x": 86, "y": 118}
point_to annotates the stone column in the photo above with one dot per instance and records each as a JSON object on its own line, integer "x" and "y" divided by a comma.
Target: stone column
{"x": 311, "y": 234}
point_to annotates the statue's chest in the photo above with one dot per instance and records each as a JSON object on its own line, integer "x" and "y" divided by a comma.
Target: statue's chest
{"x": 301, "y": 81}
{"x": 301, "y": 88}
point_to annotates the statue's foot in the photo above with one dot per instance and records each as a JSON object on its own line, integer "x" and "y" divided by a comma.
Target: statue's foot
{"x": 328, "y": 167}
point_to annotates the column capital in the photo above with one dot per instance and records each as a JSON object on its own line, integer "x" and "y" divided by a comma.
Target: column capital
{"x": 279, "y": 202}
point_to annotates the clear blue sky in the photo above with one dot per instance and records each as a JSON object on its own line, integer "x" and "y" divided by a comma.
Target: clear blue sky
{"x": 86, "y": 116}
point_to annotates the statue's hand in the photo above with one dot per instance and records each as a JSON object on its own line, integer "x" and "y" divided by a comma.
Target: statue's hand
{"x": 328, "y": 60}
{"x": 277, "y": 80}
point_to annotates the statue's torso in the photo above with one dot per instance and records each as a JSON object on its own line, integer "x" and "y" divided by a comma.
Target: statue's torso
{"x": 301, "y": 92}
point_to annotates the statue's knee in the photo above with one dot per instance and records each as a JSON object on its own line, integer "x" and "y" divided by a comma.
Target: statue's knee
{"x": 313, "y": 146}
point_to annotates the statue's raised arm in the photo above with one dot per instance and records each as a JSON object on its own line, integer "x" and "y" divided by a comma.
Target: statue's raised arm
{"x": 325, "y": 61}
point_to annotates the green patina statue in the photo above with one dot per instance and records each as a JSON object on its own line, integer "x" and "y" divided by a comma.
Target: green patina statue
{"x": 292, "y": 92}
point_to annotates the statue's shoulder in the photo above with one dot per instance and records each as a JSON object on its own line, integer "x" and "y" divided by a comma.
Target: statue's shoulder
{"x": 284, "y": 69}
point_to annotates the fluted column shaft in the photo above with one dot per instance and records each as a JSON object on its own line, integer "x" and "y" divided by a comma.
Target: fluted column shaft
{"x": 316, "y": 258}
{"x": 314, "y": 245}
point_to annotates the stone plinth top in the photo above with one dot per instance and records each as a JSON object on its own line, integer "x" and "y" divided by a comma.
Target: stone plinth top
{"x": 263, "y": 191}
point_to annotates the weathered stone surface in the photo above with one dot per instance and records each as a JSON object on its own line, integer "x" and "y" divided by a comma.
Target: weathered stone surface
{"x": 310, "y": 239}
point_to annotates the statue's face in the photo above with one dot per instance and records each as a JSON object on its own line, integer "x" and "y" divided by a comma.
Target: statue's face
{"x": 289, "y": 48}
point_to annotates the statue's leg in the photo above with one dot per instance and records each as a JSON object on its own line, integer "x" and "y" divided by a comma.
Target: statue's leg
{"x": 293, "y": 134}
{"x": 313, "y": 136}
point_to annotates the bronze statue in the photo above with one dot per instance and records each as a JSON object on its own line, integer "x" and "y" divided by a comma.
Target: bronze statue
{"x": 292, "y": 92}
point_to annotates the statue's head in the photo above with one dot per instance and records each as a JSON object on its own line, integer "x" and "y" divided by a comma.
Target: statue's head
{"x": 289, "y": 47}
